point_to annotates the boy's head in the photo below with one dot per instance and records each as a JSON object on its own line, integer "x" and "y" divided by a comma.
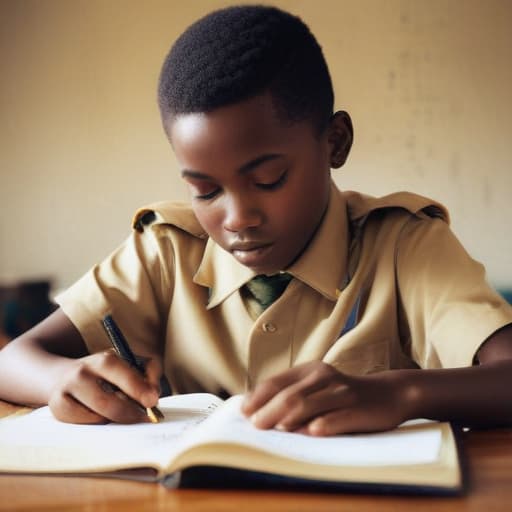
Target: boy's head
{"x": 246, "y": 101}
{"x": 240, "y": 52}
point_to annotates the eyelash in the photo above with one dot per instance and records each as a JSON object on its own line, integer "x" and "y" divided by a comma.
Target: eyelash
{"x": 276, "y": 184}
{"x": 264, "y": 186}
{"x": 210, "y": 195}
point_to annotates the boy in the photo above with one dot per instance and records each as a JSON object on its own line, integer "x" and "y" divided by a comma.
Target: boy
{"x": 379, "y": 315}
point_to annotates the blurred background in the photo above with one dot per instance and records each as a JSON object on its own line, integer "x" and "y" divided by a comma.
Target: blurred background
{"x": 428, "y": 85}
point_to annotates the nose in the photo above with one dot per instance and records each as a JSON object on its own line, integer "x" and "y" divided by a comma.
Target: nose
{"x": 241, "y": 213}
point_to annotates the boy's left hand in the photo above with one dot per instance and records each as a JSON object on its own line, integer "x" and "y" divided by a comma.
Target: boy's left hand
{"x": 316, "y": 399}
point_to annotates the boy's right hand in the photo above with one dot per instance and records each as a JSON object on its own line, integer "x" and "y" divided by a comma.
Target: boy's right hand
{"x": 101, "y": 387}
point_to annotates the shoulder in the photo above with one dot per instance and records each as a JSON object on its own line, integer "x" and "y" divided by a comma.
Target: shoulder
{"x": 390, "y": 220}
{"x": 404, "y": 204}
{"x": 168, "y": 215}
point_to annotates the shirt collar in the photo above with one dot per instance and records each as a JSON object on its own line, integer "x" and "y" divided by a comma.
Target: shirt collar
{"x": 221, "y": 273}
{"x": 322, "y": 266}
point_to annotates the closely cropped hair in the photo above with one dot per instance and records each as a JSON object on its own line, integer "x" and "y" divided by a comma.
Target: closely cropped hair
{"x": 236, "y": 53}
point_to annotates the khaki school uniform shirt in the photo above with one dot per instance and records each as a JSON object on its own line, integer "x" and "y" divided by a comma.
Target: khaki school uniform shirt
{"x": 391, "y": 265}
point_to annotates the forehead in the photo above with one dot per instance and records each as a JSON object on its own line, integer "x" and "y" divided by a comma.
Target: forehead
{"x": 245, "y": 129}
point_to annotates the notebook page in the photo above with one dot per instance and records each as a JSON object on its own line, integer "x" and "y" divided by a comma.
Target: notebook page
{"x": 399, "y": 447}
{"x": 39, "y": 442}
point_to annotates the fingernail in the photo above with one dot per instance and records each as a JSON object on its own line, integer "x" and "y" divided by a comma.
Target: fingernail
{"x": 245, "y": 402}
{"x": 149, "y": 399}
{"x": 281, "y": 427}
{"x": 316, "y": 428}
{"x": 255, "y": 417}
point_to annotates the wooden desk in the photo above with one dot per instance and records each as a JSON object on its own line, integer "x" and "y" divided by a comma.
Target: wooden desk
{"x": 489, "y": 457}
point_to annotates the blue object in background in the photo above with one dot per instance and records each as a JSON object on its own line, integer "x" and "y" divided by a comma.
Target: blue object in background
{"x": 507, "y": 294}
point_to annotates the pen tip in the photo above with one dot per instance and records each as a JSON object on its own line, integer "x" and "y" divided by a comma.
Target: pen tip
{"x": 151, "y": 415}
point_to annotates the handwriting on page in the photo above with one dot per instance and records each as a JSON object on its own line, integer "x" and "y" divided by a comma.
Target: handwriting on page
{"x": 64, "y": 443}
{"x": 51, "y": 432}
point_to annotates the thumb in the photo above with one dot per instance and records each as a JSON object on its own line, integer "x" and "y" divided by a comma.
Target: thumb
{"x": 153, "y": 370}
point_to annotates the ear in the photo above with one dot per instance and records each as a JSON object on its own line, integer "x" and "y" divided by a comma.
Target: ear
{"x": 340, "y": 138}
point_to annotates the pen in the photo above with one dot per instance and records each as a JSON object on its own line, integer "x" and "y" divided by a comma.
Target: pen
{"x": 124, "y": 351}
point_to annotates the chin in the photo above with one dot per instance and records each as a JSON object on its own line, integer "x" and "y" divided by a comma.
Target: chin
{"x": 263, "y": 270}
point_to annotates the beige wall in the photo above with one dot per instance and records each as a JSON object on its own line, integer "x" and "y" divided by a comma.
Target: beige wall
{"x": 427, "y": 83}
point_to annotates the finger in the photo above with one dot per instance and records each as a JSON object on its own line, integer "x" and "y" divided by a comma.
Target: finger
{"x": 86, "y": 385}
{"x": 292, "y": 402}
{"x": 351, "y": 420}
{"x": 153, "y": 374}
{"x": 109, "y": 367}
{"x": 65, "y": 408}
{"x": 266, "y": 390}
{"x": 340, "y": 421}
{"x": 319, "y": 401}
{"x": 101, "y": 398}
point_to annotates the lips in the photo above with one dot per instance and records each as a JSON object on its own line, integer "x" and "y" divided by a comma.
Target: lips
{"x": 251, "y": 254}
{"x": 248, "y": 246}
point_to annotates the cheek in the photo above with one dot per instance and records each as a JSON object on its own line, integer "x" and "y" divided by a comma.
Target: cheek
{"x": 309, "y": 203}
{"x": 210, "y": 218}
{"x": 311, "y": 194}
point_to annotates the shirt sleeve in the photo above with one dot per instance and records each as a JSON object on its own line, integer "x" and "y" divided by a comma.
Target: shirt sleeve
{"x": 133, "y": 285}
{"x": 449, "y": 307}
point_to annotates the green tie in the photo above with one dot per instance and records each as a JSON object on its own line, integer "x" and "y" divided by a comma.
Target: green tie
{"x": 267, "y": 289}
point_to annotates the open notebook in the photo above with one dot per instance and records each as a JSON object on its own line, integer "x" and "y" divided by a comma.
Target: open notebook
{"x": 204, "y": 441}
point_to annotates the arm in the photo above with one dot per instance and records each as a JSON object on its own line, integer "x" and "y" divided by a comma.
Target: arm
{"x": 317, "y": 399}
{"x": 450, "y": 311}
{"x": 478, "y": 396}
{"x": 50, "y": 364}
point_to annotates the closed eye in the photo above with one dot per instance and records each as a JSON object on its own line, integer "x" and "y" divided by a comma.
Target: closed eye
{"x": 203, "y": 189}
{"x": 209, "y": 195}
{"x": 274, "y": 184}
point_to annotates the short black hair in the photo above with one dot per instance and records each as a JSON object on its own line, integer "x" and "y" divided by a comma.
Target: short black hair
{"x": 236, "y": 53}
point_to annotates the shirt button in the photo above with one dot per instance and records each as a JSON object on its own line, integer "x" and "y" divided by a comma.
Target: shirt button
{"x": 268, "y": 327}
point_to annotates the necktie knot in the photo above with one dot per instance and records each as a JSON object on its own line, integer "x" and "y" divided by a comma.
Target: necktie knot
{"x": 267, "y": 289}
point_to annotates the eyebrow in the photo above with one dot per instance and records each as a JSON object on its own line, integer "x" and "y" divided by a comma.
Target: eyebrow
{"x": 244, "y": 169}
